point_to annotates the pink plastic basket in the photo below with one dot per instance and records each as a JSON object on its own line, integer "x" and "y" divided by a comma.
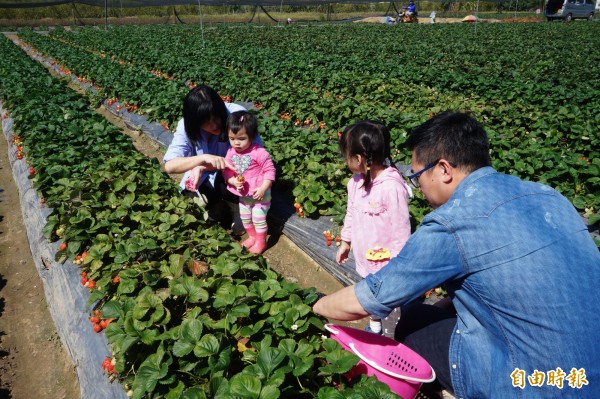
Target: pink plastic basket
{"x": 393, "y": 363}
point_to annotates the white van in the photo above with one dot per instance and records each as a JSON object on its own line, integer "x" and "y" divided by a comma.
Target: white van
{"x": 570, "y": 9}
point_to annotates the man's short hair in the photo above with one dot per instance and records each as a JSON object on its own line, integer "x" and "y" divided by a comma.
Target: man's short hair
{"x": 454, "y": 136}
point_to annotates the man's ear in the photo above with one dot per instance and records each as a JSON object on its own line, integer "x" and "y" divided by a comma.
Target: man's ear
{"x": 447, "y": 170}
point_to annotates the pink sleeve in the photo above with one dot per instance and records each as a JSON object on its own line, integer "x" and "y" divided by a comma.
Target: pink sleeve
{"x": 346, "y": 233}
{"x": 228, "y": 173}
{"x": 267, "y": 166}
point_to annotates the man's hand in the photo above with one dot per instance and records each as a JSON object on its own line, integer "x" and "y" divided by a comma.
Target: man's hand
{"x": 341, "y": 305}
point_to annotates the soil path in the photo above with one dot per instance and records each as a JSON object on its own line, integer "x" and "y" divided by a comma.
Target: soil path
{"x": 425, "y": 20}
{"x": 33, "y": 362}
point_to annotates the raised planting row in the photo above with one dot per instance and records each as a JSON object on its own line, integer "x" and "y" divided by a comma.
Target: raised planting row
{"x": 132, "y": 85}
{"x": 187, "y": 312}
{"x": 542, "y": 123}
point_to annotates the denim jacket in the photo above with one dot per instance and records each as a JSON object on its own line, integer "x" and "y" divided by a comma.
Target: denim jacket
{"x": 523, "y": 274}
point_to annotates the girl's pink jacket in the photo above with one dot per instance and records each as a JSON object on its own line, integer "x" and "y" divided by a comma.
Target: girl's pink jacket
{"x": 377, "y": 220}
{"x": 254, "y": 164}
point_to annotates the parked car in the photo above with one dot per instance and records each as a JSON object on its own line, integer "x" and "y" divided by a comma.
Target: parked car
{"x": 570, "y": 9}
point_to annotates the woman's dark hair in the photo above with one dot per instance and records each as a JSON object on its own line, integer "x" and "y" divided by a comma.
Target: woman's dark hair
{"x": 243, "y": 120}
{"x": 453, "y": 136}
{"x": 369, "y": 139}
{"x": 202, "y": 104}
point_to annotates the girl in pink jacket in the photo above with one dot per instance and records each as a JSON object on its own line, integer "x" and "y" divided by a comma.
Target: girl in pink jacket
{"x": 377, "y": 222}
{"x": 252, "y": 178}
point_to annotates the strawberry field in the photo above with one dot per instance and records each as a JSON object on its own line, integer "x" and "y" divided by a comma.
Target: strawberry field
{"x": 310, "y": 82}
{"x": 186, "y": 312}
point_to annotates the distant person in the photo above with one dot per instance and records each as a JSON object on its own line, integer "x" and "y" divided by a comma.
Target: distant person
{"x": 198, "y": 150}
{"x": 252, "y": 178}
{"x": 519, "y": 266}
{"x": 377, "y": 222}
{"x": 411, "y": 8}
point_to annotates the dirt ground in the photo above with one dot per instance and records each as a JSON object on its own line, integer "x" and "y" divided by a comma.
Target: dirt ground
{"x": 33, "y": 363}
{"x": 425, "y": 20}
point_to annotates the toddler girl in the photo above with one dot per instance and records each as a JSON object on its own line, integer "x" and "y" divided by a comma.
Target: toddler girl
{"x": 252, "y": 179}
{"x": 377, "y": 223}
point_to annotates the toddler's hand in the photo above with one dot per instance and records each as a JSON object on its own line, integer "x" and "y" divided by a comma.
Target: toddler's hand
{"x": 239, "y": 185}
{"x": 237, "y": 182}
{"x": 259, "y": 194}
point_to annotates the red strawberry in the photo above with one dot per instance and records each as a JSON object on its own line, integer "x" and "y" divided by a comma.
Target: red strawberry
{"x": 104, "y": 323}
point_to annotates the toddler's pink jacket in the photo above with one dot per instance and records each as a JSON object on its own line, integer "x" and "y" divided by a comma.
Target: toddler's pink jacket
{"x": 254, "y": 164}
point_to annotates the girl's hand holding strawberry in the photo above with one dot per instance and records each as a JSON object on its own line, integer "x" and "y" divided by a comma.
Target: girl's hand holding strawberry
{"x": 235, "y": 182}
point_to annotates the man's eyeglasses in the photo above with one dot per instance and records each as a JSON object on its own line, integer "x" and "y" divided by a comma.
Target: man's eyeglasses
{"x": 414, "y": 178}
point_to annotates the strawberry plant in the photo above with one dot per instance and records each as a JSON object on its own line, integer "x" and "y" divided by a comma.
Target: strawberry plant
{"x": 187, "y": 312}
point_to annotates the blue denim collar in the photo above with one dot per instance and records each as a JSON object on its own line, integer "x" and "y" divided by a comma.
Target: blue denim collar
{"x": 474, "y": 176}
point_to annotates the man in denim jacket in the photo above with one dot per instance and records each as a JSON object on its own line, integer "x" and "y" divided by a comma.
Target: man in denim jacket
{"x": 519, "y": 266}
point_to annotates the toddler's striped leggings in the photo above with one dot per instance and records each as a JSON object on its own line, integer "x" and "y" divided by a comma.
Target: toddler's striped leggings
{"x": 254, "y": 213}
